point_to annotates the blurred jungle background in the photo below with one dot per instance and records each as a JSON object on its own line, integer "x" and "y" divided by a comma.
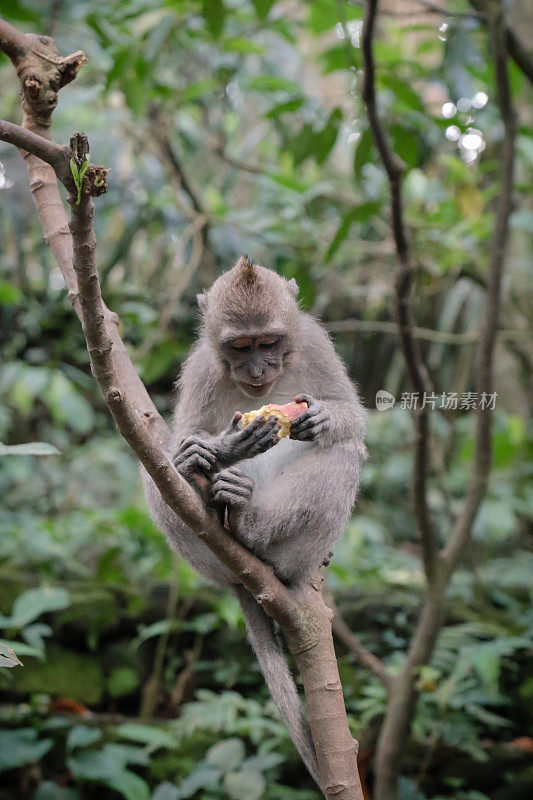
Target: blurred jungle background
{"x": 236, "y": 126}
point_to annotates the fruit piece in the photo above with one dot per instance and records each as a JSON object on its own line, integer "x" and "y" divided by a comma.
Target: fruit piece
{"x": 285, "y": 414}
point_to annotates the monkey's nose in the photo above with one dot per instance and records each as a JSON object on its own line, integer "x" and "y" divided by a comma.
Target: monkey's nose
{"x": 255, "y": 370}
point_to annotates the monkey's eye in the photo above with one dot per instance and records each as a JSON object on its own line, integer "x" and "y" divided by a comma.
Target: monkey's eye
{"x": 267, "y": 345}
{"x": 240, "y": 348}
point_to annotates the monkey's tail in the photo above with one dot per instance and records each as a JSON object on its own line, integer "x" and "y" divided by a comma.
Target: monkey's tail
{"x": 267, "y": 648}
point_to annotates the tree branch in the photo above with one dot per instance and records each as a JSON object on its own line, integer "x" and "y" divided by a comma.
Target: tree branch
{"x": 301, "y": 612}
{"x": 365, "y": 657}
{"x": 402, "y": 696}
{"x": 42, "y": 72}
{"x": 426, "y": 334}
{"x": 404, "y": 315}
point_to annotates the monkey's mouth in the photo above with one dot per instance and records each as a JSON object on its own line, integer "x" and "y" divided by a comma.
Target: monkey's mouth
{"x": 255, "y": 390}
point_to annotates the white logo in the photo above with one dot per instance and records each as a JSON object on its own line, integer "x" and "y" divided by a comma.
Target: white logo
{"x": 384, "y": 400}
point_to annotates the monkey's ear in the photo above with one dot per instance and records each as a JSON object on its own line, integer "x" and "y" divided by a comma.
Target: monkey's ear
{"x": 201, "y": 299}
{"x": 293, "y": 287}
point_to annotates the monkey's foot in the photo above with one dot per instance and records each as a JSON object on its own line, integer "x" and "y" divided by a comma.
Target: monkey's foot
{"x": 232, "y": 487}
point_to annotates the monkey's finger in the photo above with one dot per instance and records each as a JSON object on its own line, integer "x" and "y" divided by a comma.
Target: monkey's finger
{"x": 311, "y": 421}
{"x": 193, "y": 464}
{"x": 229, "y": 498}
{"x": 233, "y": 427}
{"x": 229, "y": 486}
{"x": 250, "y": 429}
{"x": 303, "y": 420}
{"x": 233, "y": 475}
{"x": 305, "y": 398}
{"x": 192, "y": 441}
{"x": 310, "y": 434}
{"x": 196, "y": 450}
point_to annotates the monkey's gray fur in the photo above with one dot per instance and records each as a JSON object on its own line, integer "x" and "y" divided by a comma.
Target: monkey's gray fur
{"x": 287, "y": 501}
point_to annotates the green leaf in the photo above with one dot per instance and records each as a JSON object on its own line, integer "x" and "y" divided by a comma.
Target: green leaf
{"x": 103, "y": 766}
{"x": 60, "y": 675}
{"x": 214, "y": 13}
{"x": 166, "y": 791}
{"x": 9, "y": 295}
{"x": 227, "y": 755}
{"x": 403, "y": 92}
{"x": 146, "y": 734}
{"x": 247, "y": 783}
{"x": 82, "y": 736}
{"x": 272, "y": 83}
{"x": 33, "y": 603}
{"x": 360, "y": 214}
{"x": 28, "y": 449}
{"x": 75, "y": 172}
{"x": 204, "y": 777}
{"x": 326, "y": 138}
{"x": 284, "y": 108}
{"x": 262, "y": 7}
{"x": 122, "y": 681}
{"x": 48, "y": 790}
{"x": 20, "y": 747}
{"x": 362, "y": 152}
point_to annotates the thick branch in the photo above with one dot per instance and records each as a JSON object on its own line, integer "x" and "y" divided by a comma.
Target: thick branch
{"x": 301, "y": 612}
{"x": 485, "y": 353}
{"x": 404, "y": 315}
{"x": 403, "y": 696}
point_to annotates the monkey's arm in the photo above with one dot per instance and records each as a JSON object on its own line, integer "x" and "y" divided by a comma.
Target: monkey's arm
{"x": 335, "y": 412}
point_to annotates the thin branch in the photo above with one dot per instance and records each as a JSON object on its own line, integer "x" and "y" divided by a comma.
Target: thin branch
{"x": 500, "y": 236}
{"x": 58, "y": 156}
{"x": 403, "y": 285}
{"x": 425, "y": 334}
{"x": 365, "y": 657}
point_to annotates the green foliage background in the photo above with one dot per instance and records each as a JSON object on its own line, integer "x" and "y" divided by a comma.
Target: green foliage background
{"x": 260, "y": 104}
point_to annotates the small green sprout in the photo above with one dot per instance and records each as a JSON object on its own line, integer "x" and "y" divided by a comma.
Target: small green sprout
{"x": 98, "y": 182}
{"x": 78, "y": 175}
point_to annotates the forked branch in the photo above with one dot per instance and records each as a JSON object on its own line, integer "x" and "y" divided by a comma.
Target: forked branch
{"x": 302, "y": 614}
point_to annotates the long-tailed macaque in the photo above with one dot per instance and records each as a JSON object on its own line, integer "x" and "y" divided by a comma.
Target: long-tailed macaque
{"x": 286, "y": 500}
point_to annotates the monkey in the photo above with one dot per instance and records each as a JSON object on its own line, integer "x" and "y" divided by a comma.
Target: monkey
{"x": 286, "y": 500}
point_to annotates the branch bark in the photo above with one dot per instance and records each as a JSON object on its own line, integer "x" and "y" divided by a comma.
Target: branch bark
{"x": 402, "y": 696}
{"x": 301, "y": 612}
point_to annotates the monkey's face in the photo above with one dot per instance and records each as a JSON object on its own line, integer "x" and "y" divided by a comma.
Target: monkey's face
{"x": 255, "y": 362}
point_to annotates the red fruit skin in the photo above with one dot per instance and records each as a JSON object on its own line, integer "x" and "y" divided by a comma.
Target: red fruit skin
{"x": 292, "y": 410}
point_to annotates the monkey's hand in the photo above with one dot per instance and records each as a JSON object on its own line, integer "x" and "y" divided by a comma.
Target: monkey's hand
{"x": 313, "y": 423}
{"x": 237, "y": 444}
{"x": 194, "y": 455}
{"x": 232, "y": 488}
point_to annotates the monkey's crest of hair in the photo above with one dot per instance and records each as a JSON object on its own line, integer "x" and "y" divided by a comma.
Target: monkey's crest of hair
{"x": 246, "y": 272}
{"x": 248, "y": 296}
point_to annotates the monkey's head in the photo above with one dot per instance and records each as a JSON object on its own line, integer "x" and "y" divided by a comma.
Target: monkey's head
{"x": 250, "y": 316}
